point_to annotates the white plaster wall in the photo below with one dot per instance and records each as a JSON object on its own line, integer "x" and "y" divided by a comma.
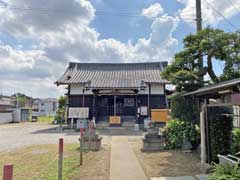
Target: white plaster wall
{"x": 155, "y": 89}
{"x": 47, "y": 108}
{"x": 78, "y": 89}
{"x": 6, "y": 117}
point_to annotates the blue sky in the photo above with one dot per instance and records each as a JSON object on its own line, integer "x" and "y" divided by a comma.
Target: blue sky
{"x": 39, "y": 38}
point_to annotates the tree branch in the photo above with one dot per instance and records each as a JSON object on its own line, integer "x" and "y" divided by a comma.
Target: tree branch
{"x": 210, "y": 67}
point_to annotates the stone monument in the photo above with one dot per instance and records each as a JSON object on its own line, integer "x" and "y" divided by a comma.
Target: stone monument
{"x": 153, "y": 141}
{"x": 91, "y": 140}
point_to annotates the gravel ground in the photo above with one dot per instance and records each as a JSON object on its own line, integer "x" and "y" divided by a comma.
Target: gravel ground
{"x": 18, "y": 135}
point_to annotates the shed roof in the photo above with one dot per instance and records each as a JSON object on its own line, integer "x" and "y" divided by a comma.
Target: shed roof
{"x": 215, "y": 88}
{"x": 113, "y": 75}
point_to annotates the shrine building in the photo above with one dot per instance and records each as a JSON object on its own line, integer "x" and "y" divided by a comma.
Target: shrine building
{"x": 128, "y": 92}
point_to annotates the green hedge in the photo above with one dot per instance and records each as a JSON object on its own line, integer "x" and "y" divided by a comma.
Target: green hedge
{"x": 220, "y": 131}
{"x": 236, "y": 141}
{"x": 184, "y": 108}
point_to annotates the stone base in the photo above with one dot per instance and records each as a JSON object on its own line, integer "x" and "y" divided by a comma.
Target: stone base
{"x": 154, "y": 144}
{"x": 94, "y": 145}
{"x": 204, "y": 168}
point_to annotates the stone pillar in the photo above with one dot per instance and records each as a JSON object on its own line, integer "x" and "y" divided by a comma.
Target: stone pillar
{"x": 203, "y": 132}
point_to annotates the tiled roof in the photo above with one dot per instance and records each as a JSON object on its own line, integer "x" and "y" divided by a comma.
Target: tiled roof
{"x": 113, "y": 75}
{"x": 5, "y": 102}
{"x": 215, "y": 87}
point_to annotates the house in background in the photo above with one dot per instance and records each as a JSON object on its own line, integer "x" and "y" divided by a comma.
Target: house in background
{"x": 6, "y": 103}
{"x": 6, "y": 109}
{"x": 45, "y": 107}
{"x": 128, "y": 91}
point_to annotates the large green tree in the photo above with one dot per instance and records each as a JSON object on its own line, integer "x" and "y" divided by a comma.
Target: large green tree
{"x": 212, "y": 45}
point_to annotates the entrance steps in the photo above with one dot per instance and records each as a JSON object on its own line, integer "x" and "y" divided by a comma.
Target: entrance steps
{"x": 124, "y": 125}
{"x": 128, "y": 122}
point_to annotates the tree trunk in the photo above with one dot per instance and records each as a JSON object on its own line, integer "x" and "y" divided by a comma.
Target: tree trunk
{"x": 210, "y": 67}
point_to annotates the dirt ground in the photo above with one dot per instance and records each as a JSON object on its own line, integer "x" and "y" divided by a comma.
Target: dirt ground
{"x": 166, "y": 163}
{"x": 41, "y": 141}
{"x": 96, "y": 165}
{"x": 40, "y": 162}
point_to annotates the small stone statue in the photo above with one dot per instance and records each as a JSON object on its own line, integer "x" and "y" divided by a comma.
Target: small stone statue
{"x": 91, "y": 140}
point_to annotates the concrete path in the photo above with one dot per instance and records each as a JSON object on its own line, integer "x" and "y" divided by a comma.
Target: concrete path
{"x": 124, "y": 164}
{"x": 197, "y": 177}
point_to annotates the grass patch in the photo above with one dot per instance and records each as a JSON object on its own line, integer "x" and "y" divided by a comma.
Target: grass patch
{"x": 45, "y": 119}
{"x": 40, "y": 162}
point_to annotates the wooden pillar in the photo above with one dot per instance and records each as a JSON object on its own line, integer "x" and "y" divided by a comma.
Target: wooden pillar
{"x": 203, "y": 132}
{"x": 114, "y": 105}
{"x": 149, "y": 93}
{"x": 94, "y": 105}
{"x": 8, "y": 172}
{"x": 66, "y": 107}
{"x": 83, "y": 98}
{"x": 60, "y": 158}
{"x": 136, "y": 105}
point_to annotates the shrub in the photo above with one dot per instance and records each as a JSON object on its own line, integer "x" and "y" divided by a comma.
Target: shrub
{"x": 184, "y": 108}
{"x": 225, "y": 172}
{"x": 177, "y": 130}
{"x": 220, "y": 132}
{"x": 236, "y": 140}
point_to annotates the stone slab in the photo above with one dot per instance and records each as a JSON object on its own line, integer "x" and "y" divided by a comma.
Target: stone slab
{"x": 174, "y": 178}
{"x": 202, "y": 177}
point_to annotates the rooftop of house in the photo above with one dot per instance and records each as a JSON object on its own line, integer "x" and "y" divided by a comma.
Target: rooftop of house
{"x": 113, "y": 75}
{"x": 6, "y": 102}
{"x": 216, "y": 88}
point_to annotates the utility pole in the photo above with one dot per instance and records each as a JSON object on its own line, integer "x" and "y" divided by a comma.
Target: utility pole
{"x": 199, "y": 15}
{"x": 199, "y": 28}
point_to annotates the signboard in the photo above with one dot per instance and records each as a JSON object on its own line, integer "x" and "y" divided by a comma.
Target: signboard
{"x": 115, "y": 120}
{"x": 82, "y": 112}
{"x": 128, "y": 102}
{"x": 144, "y": 110}
{"x": 82, "y": 124}
{"x": 159, "y": 115}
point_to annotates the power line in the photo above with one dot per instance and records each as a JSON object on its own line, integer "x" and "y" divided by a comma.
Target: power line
{"x": 64, "y": 11}
{"x": 233, "y": 25}
{"x": 238, "y": 9}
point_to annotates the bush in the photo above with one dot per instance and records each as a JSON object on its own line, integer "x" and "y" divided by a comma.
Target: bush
{"x": 220, "y": 132}
{"x": 236, "y": 140}
{"x": 177, "y": 130}
{"x": 184, "y": 108}
{"x": 225, "y": 172}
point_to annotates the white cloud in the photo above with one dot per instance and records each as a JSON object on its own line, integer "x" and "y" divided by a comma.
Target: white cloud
{"x": 210, "y": 14}
{"x": 59, "y": 38}
{"x": 37, "y": 17}
{"x": 153, "y": 11}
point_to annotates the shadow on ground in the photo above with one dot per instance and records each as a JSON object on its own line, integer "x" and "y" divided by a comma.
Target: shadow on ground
{"x": 104, "y": 132}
